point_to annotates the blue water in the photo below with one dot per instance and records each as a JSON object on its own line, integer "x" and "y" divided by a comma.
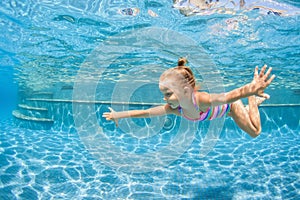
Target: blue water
{"x": 49, "y": 49}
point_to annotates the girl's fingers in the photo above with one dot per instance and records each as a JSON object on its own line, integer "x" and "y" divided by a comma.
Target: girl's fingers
{"x": 109, "y": 116}
{"x": 271, "y": 79}
{"x": 256, "y": 71}
{"x": 268, "y": 72}
{"x": 262, "y": 72}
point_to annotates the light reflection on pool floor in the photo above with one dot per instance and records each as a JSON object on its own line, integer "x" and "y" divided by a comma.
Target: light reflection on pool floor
{"x": 51, "y": 164}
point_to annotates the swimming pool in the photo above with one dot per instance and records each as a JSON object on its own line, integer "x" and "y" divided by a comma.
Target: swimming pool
{"x": 66, "y": 62}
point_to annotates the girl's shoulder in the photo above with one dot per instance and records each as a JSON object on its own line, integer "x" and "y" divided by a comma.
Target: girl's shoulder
{"x": 203, "y": 99}
{"x": 201, "y": 95}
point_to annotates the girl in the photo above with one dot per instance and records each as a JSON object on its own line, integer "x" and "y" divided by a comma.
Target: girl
{"x": 182, "y": 98}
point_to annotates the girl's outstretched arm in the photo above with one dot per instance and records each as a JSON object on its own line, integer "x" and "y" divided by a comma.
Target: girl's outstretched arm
{"x": 256, "y": 87}
{"x": 151, "y": 112}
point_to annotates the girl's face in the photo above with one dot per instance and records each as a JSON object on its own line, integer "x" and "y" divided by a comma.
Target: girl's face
{"x": 171, "y": 90}
{"x": 169, "y": 96}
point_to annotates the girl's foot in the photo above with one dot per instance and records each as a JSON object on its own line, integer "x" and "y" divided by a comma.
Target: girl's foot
{"x": 258, "y": 100}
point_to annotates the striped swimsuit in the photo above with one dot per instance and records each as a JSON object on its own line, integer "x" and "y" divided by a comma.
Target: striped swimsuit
{"x": 210, "y": 113}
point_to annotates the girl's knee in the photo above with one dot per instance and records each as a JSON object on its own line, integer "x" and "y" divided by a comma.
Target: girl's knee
{"x": 255, "y": 133}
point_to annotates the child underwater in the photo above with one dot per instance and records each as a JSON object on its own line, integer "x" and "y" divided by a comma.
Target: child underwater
{"x": 178, "y": 85}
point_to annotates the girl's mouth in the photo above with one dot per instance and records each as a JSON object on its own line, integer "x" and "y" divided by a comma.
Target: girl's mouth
{"x": 172, "y": 105}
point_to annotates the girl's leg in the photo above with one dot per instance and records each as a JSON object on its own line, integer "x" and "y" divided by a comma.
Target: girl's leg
{"x": 247, "y": 118}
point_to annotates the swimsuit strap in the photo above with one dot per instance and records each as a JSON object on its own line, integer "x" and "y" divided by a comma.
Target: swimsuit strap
{"x": 196, "y": 107}
{"x": 180, "y": 109}
{"x": 195, "y": 103}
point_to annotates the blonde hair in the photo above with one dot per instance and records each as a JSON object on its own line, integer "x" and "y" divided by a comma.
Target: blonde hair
{"x": 183, "y": 72}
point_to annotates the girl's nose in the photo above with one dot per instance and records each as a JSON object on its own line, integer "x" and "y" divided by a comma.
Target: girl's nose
{"x": 166, "y": 98}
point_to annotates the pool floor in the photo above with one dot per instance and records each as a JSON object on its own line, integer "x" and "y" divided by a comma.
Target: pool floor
{"x": 39, "y": 164}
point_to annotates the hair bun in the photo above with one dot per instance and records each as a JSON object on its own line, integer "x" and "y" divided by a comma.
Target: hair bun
{"x": 182, "y": 61}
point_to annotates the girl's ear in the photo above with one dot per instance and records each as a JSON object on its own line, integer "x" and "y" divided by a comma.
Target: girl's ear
{"x": 187, "y": 90}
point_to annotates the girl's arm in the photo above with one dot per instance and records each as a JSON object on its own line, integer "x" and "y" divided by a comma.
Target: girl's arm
{"x": 151, "y": 112}
{"x": 256, "y": 87}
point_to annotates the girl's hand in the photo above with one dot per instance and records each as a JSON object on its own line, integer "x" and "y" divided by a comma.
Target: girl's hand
{"x": 261, "y": 81}
{"x": 111, "y": 116}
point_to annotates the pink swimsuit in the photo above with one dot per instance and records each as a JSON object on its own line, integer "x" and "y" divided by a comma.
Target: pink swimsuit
{"x": 210, "y": 113}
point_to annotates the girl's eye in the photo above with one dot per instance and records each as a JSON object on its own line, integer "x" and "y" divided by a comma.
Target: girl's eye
{"x": 168, "y": 94}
